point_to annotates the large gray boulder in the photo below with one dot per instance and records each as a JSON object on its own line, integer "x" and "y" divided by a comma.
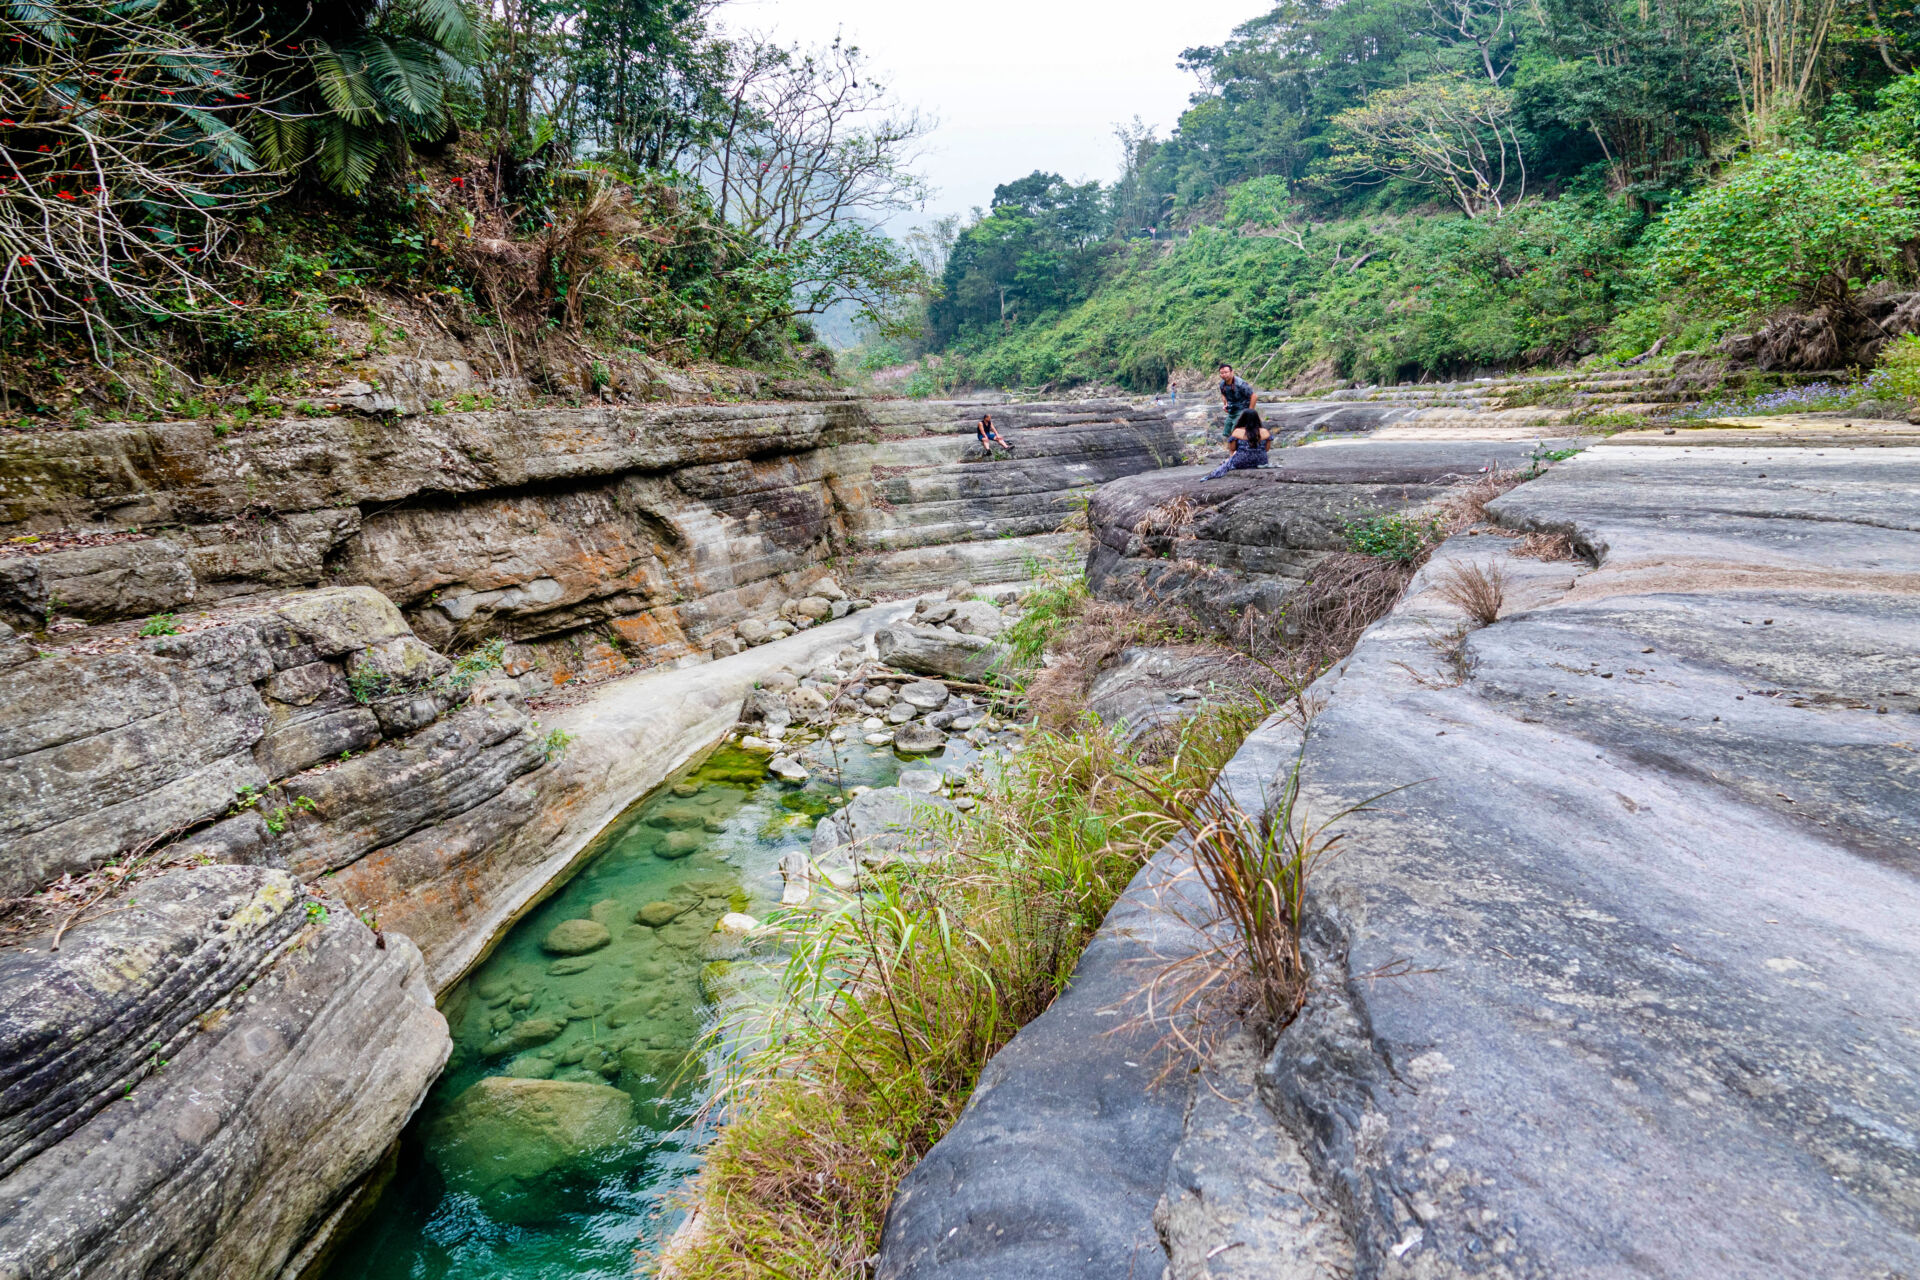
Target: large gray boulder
{"x": 191, "y": 1083}
{"x": 881, "y": 825}
{"x": 934, "y": 652}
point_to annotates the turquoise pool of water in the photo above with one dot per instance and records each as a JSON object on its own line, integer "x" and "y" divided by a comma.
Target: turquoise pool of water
{"x": 551, "y": 1143}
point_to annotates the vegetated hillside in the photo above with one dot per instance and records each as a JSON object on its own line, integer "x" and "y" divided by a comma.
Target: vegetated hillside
{"x": 1385, "y": 189}
{"x": 205, "y": 204}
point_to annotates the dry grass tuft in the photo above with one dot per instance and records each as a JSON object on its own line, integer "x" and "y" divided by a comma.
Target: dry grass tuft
{"x": 1171, "y": 519}
{"x": 1479, "y": 589}
{"x": 1323, "y": 618}
{"x": 1467, "y": 507}
{"x": 1546, "y": 546}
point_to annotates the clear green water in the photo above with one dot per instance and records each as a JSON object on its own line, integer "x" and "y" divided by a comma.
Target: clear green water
{"x": 470, "y": 1199}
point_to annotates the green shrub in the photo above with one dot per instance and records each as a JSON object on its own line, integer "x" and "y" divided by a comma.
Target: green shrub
{"x": 1786, "y": 227}
{"x": 1898, "y": 371}
{"x": 160, "y": 624}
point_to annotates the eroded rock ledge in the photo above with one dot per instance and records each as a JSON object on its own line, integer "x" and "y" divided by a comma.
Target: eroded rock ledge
{"x": 606, "y": 538}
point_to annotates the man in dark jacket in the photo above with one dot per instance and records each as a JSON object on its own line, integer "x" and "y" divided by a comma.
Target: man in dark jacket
{"x": 1236, "y": 395}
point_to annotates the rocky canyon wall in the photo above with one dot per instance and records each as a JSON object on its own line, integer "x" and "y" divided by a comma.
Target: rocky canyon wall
{"x": 227, "y": 703}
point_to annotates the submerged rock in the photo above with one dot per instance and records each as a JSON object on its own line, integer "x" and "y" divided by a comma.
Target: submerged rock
{"x": 656, "y": 914}
{"x": 575, "y": 937}
{"x": 929, "y": 781}
{"x": 879, "y": 825}
{"x": 677, "y": 844}
{"x": 505, "y": 1132}
{"x": 524, "y": 1035}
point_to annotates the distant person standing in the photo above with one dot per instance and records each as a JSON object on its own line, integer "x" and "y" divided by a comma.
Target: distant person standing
{"x": 989, "y": 436}
{"x": 1237, "y": 396}
{"x": 1173, "y": 390}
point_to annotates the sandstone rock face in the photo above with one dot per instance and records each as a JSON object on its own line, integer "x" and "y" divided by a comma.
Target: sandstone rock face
{"x": 97, "y": 583}
{"x": 659, "y": 526}
{"x": 190, "y": 1084}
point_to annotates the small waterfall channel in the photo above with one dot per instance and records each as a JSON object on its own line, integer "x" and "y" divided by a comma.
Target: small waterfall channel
{"x": 606, "y": 987}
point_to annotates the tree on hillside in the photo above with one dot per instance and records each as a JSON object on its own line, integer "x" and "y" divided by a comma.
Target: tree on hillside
{"x": 1454, "y": 134}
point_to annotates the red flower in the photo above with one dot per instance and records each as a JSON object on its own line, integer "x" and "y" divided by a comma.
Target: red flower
{"x": 64, "y": 195}
{"x": 45, "y": 147}
{"x": 245, "y": 97}
{"x": 8, "y": 122}
{"x": 193, "y": 248}
{"x": 168, "y": 92}
{"x": 26, "y": 259}
{"x": 236, "y": 302}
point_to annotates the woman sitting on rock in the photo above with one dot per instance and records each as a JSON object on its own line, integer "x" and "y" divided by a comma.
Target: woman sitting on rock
{"x": 1247, "y": 446}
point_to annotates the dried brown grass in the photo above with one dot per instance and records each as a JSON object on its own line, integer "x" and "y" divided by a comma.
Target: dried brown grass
{"x": 1545, "y": 546}
{"x": 1478, "y": 589}
{"x": 1323, "y": 618}
{"x": 1467, "y": 507}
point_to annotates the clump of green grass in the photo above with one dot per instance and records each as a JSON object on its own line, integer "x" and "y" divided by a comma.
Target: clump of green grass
{"x": 1403, "y": 538}
{"x": 894, "y": 999}
{"x": 1057, "y": 597}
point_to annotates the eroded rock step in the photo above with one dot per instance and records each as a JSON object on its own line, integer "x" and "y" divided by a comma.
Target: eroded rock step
{"x": 1622, "y": 987}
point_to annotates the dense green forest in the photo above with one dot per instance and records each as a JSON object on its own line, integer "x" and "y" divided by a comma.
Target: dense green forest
{"x": 191, "y": 189}
{"x": 1381, "y": 190}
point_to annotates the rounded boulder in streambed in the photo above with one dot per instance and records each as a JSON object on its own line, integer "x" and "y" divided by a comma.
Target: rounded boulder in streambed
{"x": 505, "y": 1133}
{"x": 575, "y": 937}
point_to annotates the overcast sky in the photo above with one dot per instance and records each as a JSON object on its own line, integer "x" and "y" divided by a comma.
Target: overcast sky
{"x": 1017, "y": 85}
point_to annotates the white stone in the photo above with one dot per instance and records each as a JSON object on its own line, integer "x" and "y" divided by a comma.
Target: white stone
{"x": 736, "y": 922}
{"x": 924, "y": 780}
{"x": 878, "y": 739}
{"x": 752, "y": 743}
{"x": 787, "y": 769}
{"x": 925, "y": 695}
{"x": 873, "y": 724}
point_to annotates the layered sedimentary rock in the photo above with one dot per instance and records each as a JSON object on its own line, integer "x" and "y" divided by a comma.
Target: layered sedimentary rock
{"x": 1620, "y": 984}
{"x": 608, "y": 537}
{"x": 190, "y": 1085}
{"x": 1248, "y": 539}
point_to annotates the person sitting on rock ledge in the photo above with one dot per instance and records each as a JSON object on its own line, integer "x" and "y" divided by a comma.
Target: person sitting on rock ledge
{"x": 988, "y": 436}
{"x": 1247, "y": 446}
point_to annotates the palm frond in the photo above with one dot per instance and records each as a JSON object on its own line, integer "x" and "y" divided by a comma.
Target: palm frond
{"x": 404, "y": 74}
{"x": 346, "y": 154}
{"x": 279, "y": 141}
{"x": 344, "y": 84}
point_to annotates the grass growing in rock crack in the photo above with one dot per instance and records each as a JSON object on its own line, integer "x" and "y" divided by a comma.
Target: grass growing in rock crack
{"x": 894, "y": 1000}
{"x": 1478, "y": 589}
